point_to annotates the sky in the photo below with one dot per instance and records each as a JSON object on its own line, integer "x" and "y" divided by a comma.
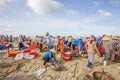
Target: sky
{"x": 60, "y": 17}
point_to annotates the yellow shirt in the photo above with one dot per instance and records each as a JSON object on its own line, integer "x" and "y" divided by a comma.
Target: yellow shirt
{"x": 70, "y": 39}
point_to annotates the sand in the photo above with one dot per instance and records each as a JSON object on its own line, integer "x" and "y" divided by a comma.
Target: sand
{"x": 28, "y": 69}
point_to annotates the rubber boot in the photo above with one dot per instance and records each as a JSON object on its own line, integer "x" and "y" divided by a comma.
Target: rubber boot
{"x": 100, "y": 60}
{"x": 88, "y": 63}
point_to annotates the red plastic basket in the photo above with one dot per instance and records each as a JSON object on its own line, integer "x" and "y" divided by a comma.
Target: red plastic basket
{"x": 67, "y": 57}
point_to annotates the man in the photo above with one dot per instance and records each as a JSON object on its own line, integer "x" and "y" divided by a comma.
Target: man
{"x": 49, "y": 41}
{"x": 91, "y": 47}
{"x": 49, "y": 56}
{"x": 41, "y": 43}
{"x": 20, "y": 41}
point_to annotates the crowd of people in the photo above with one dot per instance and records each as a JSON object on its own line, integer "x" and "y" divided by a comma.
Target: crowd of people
{"x": 106, "y": 46}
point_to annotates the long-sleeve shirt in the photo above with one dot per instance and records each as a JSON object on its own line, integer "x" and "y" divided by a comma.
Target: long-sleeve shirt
{"x": 106, "y": 45}
{"x": 48, "y": 55}
{"x": 20, "y": 40}
{"x": 74, "y": 41}
{"x": 41, "y": 41}
{"x": 49, "y": 41}
{"x": 80, "y": 42}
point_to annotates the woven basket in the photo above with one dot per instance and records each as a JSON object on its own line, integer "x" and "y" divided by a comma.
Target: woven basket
{"x": 101, "y": 76}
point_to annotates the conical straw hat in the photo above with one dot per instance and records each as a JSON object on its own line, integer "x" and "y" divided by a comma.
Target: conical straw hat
{"x": 115, "y": 37}
{"x": 106, "y": 38}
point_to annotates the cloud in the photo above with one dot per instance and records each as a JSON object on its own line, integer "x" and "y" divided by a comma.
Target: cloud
{"x": 43, "y": 7}
{"x": 71, "y": 12}
{"x": 96, "y": 3}
{"x": 104, "y": 13}
{"x": 3, "y": 3}
{"x": 6, "y": 28}
{"x": 115, "y": 2}
{"x": 8, "y": 25}
{"x": 28, "y": 13}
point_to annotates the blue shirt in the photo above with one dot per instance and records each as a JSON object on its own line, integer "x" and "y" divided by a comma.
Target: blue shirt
{"x": 1, "y": 46}
{"x": 48, "y": 55}
{"x": 74, "y": 41}
{"x": 80, "y": 42}
{"x": 66, "y": 42}
{"x": 99, "y": 40}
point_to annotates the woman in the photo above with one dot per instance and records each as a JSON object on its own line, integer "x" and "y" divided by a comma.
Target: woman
{"x": 91, "y": 47}
{"x": 62, "y": 45}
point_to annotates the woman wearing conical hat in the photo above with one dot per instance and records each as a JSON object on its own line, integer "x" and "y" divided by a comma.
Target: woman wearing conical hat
{"x": 106, "y": 44}
{"x": 91, "y": 47}
{"x": 115, "y": 45}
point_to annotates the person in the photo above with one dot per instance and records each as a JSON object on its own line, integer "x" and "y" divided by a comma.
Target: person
{"x": 49, "y": 41}
{"x": 106, "y": 45}
{"x": 62, "y": 45}
{"x": 115, "y": 45}
{"x": 1, "y": 46}
{"x": 20, "y": 41}
{"x": 49, "y": 57}
{"x": 37, "y": 39}
{"x": 80, "y": 44}
{"x": 66, "y": 42}
{"x": 73, "y": 43}
{"x": 55, "y": 42}
{"x": 70, "y": 41}
{"x": 101, "y": 50}
{"x": 11, "y": 38}
{"x": 40, "y": 43}
{"x": 119, "y": 49}
{"x": 91, "y": 47}
{"x": 99, "y": 40}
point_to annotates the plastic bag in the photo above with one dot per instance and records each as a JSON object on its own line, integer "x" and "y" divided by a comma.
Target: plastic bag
{"x": 41, "y": 71}
{"x": 19, "y": 56}
{"x": 27, "y": 56}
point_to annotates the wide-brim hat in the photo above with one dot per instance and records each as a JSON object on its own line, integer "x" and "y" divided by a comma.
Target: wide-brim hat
{"x": 53, "y": 50}
{"x": 106, "y": 38}
{"x": 91, "y": 38}
{"x": 115, "y": 37}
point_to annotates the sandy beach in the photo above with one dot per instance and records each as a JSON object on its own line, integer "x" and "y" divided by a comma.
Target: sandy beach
{"x": 28, "y": 69}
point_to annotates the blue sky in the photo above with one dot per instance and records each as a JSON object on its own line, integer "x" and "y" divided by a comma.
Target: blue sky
{"x": 64, "y": 17}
